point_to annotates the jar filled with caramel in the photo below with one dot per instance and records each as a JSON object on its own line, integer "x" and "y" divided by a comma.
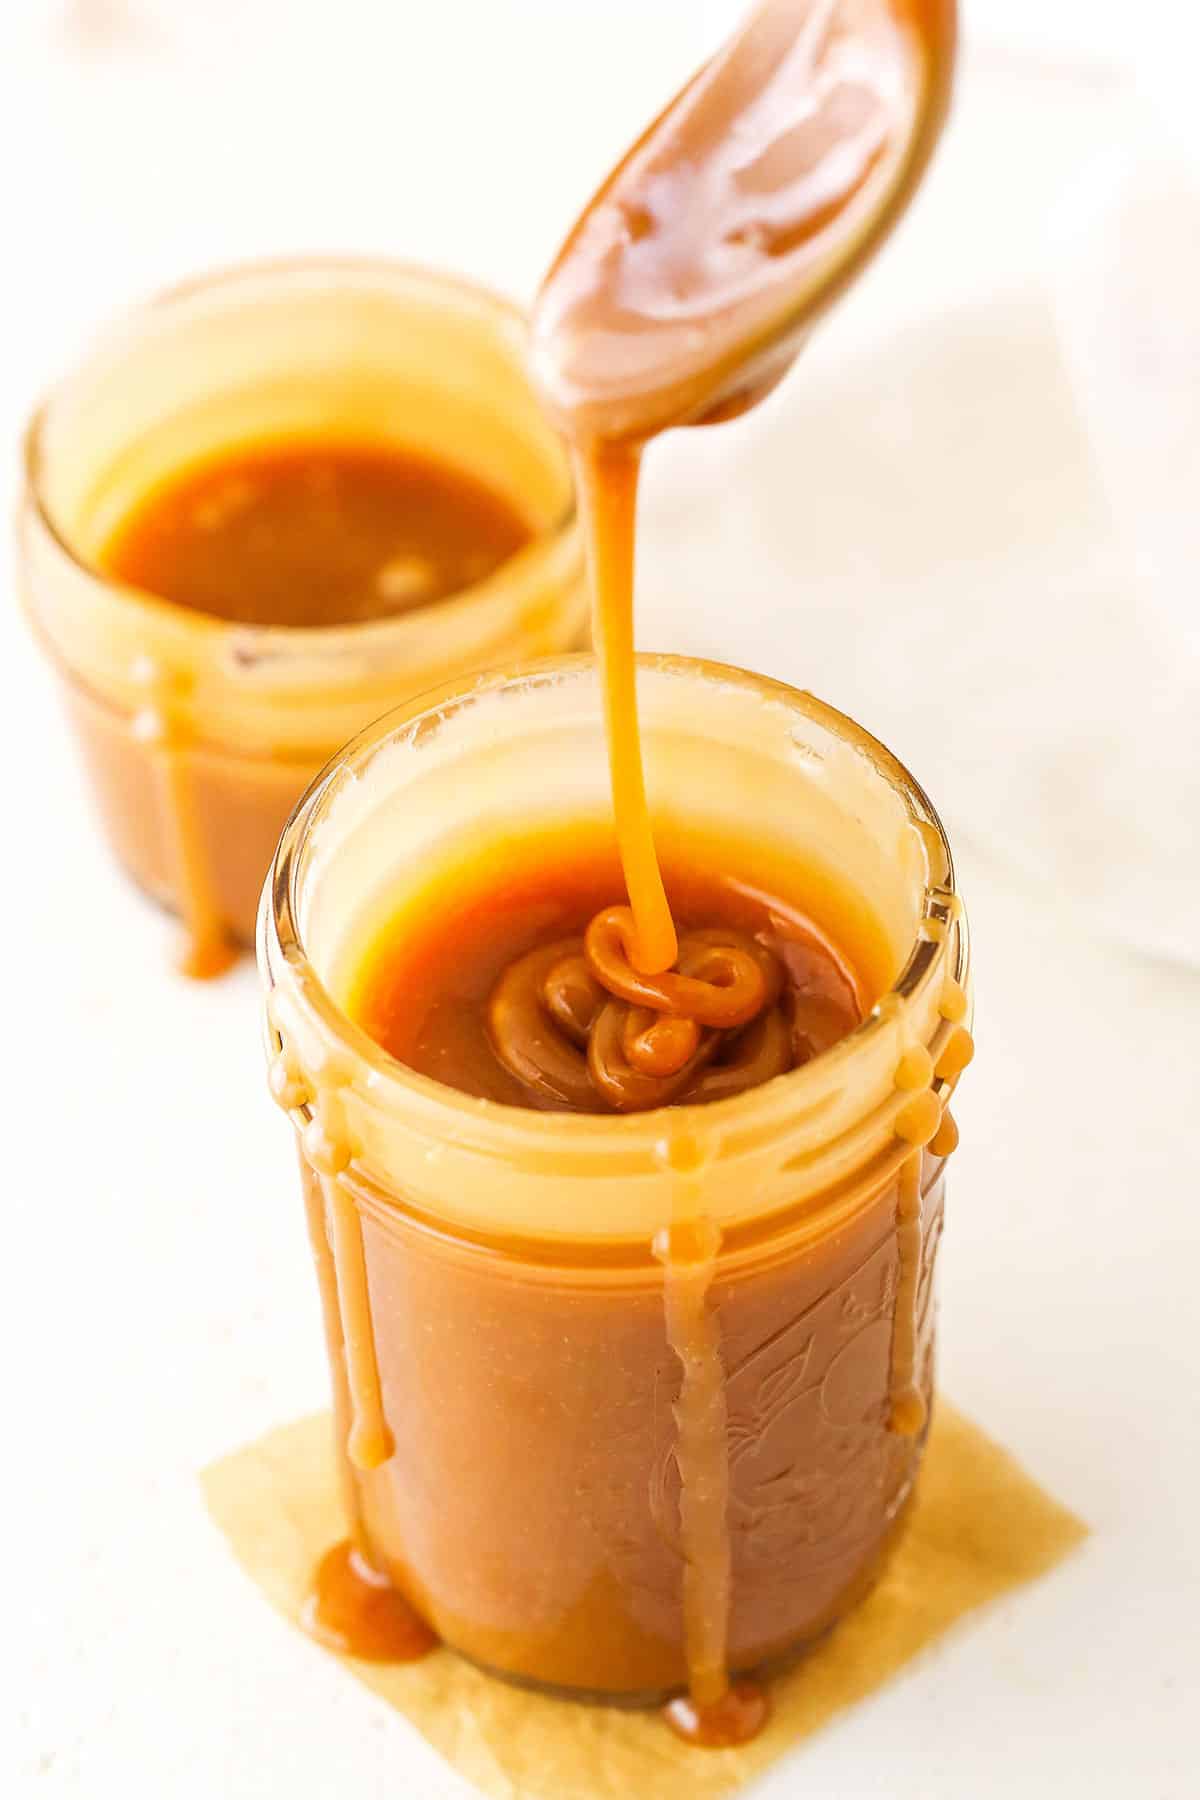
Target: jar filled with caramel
{"x": 628, "y": 1396}
{"x": 266, "y": 508}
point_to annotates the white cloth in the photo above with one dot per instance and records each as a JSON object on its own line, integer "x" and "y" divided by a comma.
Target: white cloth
{"x": 979, "y": 532}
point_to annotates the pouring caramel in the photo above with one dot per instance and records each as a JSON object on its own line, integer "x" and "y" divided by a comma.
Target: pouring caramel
{"x": 686, "y": 288}
{"x": 525, "y": 994}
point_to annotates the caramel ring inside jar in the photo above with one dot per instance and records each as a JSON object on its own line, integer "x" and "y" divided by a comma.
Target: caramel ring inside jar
{"x": 579, "y": 1026}
{"x": 540, "y": 1042}
{"x": 724, "y": 979}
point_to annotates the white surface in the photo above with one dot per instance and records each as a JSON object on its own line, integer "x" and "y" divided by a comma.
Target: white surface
{"x": 159, "y": 1307}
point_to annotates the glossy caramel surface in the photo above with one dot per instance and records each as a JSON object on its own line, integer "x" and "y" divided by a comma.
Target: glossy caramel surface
{"x": 312, "y": 531}
{"x": 508, "y": 986}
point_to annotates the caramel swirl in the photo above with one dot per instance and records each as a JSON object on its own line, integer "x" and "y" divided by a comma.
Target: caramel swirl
{"x": 578, "y": 1024}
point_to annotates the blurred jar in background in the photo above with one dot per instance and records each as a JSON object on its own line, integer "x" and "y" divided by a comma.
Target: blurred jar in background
{"x": 199, "y": 733}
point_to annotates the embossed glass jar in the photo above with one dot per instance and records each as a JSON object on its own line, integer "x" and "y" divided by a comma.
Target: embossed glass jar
{"x": 200, "y": 735}
{"x": 509, "y": 1322}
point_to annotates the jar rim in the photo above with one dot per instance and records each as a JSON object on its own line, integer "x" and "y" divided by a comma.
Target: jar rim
{"x": 941, "y": 934}
{"x": 226, "y": 638}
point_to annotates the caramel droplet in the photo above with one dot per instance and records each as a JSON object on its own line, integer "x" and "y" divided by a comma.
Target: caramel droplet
{"x": 918, "y": 1119}
{"x": 739, "y": 1715}
{"x": 953, "y": 1003}
{"x": 369, "y": 1442}
{"x": 328, "y": 1154}
{"x": 683, "y": 1152}
{"x": 287, "y": 1085}
{"x": 959, "y": 1050}
{"x": 945, "y": 1140}
{"x": 204, "y": 958}
{"x": 688, "y": 1243}
{"x": 908, "y": 1414}
{"x": 688, "y": 1249}
{"x": 353, "y": 1609}
{"x": 915, "y": 1069}
{"x": 907, "y": 1404}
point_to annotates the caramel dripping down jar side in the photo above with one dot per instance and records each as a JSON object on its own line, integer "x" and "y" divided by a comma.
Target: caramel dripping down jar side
{"x": 511, "y": 1439}
{"x": 198, "y": 736}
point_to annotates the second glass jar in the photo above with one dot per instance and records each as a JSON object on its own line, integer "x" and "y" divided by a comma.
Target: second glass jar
{"x": 199, "y": 735}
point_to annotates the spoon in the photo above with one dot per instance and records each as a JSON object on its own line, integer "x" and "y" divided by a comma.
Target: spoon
{"x": 690, "y": 282}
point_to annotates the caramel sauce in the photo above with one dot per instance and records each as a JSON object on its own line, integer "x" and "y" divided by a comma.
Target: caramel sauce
{"x": 518, "y": 988}
{"x": 682, "y": 295}
{"x": 687, "y": 1250}
{"x": 739, "y": 1715}
{"x": 353, "y": 1609}
{"x": 296, "y": 533}
{"x": 368, "y": 1441}
{"x": 312, "y": 532}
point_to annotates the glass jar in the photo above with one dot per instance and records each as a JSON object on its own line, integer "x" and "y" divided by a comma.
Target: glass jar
{"x": 200, "y": 735}
{"x": 493, "y": 1292}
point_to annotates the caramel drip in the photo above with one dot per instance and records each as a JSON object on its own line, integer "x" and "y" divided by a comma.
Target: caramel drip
{"x": 956, "y": 1054}
{"x": 325, "y": 1145}
{"x": 688, "y": 1252}
{"x": 945, "y": 1140}
{"x": 924, "y": 1120}
{"x": 351, "y": 1607}
{"x": 953, "y": 1004}
{"x": 331, "y": 1317}
{"x": 906, "y": 1401}
{"x": 735, "y": 1718}
{"x": 580, "y": 1025}
{"x": 714, "y": 1712}
{"x": 369, "y": 1442}
{"x": 355, "y": 1610}
{"x": 207, "y": 950}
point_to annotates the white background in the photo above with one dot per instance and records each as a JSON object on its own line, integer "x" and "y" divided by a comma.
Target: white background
{"x": 158, "y": 1307}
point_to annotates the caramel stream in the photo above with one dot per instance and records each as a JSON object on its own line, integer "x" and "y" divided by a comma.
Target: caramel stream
{"x": 580, "y": 1025}
{"x": 682, "y": 295}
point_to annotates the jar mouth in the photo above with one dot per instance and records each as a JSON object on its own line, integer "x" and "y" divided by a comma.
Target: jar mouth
{"x": 238, "y": 643}
{"x": 625, "y": 1142}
